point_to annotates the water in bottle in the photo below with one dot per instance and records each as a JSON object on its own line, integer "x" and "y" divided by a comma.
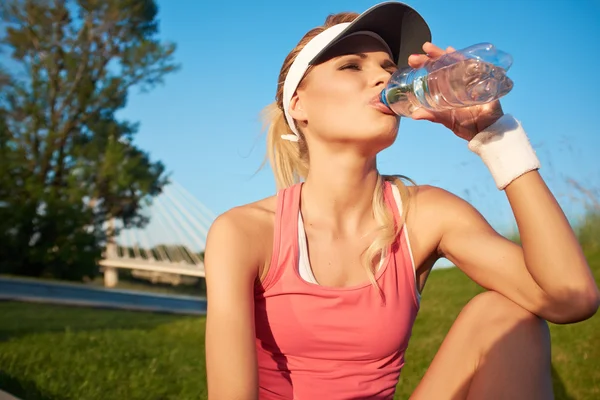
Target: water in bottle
{"x": 472, "y": 76}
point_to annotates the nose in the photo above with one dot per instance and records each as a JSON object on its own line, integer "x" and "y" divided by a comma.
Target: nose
{"x": 381, "y": 77}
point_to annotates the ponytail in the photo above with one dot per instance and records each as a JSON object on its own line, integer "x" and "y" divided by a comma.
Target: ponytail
{"x": 288, "y": 160}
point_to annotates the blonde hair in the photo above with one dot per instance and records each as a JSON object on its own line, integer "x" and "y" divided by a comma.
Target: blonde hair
{"x": 290, "y": 160}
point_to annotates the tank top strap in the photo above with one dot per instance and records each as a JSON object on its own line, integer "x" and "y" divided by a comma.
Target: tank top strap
{"x": 394, "y": 201}
{"x": 405, "y": 249}
{"x": 284, "y": 234}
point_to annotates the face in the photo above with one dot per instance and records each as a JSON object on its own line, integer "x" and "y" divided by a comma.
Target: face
{"x": 338, "y": 100}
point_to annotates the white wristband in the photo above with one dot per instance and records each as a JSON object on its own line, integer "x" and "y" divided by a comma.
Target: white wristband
{"x": 505, "y": 149}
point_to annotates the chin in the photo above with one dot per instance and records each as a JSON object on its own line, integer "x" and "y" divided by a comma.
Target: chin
{"x": 384, "y": 132}
{"x": 375, "y": 141}
{"x": 384, "y": 141}
{"x": 372, "y": 135}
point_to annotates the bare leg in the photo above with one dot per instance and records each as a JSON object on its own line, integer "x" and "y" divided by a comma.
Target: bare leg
{"x": 494, "y": 350}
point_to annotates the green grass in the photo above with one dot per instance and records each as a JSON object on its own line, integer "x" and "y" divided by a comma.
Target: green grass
{"x": 58, "y": 353}
{"x": 51, "y": 352}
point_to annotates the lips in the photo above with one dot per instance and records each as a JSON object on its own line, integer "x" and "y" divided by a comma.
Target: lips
{"x": 377, "y": 104}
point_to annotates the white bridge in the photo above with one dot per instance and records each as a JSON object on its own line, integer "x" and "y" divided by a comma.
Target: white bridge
{"x": 169, "y": 248}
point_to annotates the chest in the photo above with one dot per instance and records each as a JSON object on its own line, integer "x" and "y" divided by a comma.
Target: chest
{"x": 336, "y": 261}
{"x": 335, "y": 324}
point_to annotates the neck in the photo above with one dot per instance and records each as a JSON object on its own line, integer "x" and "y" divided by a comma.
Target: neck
{"x": 339, "y": 190}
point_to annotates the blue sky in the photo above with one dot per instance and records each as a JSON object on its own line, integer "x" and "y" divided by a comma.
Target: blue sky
{"x": 204, "y": 122}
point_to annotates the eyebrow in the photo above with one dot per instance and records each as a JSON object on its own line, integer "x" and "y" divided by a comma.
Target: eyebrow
{"x": 387, "y": 63}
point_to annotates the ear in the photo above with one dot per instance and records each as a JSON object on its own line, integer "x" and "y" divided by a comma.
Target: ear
{"x": 296, "y": 109}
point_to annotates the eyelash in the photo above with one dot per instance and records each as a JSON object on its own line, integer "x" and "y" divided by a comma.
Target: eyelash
{"x": 356, "y": 67}
{"x": 351, "y": 66}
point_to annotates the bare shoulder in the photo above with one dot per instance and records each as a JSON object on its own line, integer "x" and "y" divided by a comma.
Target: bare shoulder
{"x": 429, "y": 192}
{"x": 426, "y": 203}
{"x": 244, "y": 233}
{"x": 434, "y": 206}
{"x": 248, "y": 219}
{"x": 433, "y": 212}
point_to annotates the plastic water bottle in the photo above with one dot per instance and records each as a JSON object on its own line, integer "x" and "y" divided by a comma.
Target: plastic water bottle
{"x": 468, "y": 77}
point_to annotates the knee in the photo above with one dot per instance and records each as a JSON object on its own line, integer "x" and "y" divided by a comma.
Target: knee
{"x": 492, "y": 314}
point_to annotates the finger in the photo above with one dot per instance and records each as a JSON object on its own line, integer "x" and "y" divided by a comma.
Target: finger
{"x": 432, "y": 50}
{"x": 417, "y": 60}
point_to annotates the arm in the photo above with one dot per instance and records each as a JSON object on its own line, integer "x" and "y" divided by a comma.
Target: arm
{"x": 231, "y": 263}
{"x": 548, "y": 275}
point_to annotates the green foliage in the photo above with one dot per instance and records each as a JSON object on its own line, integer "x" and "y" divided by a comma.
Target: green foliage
{"x": 61, "y": 247}
{"x": 67, "y": 164}
{"x": 588, "y": 233}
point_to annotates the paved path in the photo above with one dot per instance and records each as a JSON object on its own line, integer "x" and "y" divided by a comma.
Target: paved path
{"x": 7, "y": 396}
{"x": 81, "y": 295}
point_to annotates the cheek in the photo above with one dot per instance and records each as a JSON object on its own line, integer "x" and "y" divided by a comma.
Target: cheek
{"x": 338, "y": 101}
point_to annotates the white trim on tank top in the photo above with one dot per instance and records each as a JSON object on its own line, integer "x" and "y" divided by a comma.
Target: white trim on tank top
{"x": 305, "y": 269}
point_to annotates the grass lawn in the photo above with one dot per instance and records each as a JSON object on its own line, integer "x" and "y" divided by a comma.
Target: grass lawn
{"x": 50, "y": 352}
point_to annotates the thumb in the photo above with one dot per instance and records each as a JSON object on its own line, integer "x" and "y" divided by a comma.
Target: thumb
{"x": 423, "y": 114}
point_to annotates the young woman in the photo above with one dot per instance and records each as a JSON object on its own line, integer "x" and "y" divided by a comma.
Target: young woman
{"x": 312, "y": 293}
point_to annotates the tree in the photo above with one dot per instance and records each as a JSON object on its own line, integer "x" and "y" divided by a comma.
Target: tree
{"x": 69, "y": 164}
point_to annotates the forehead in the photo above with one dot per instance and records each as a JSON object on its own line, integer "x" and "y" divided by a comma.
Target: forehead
{"x": 353, "y": 45}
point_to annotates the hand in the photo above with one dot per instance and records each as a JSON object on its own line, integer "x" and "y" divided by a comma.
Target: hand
{"x": 464, "y": 122}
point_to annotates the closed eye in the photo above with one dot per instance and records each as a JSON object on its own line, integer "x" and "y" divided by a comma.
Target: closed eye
{"x": 353, "y": 66}
{"x": 389, "y": 66}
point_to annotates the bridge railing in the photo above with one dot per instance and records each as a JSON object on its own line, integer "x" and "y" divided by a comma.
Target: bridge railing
{"x": 172, "y": 244}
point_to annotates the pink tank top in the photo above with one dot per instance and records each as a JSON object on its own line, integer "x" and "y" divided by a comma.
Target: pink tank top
{"x": 316, "y": 342}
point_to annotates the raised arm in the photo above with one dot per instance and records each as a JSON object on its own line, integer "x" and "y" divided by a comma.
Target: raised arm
{"x": 231, "y": 263}
{"x": 547, "y": 275}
